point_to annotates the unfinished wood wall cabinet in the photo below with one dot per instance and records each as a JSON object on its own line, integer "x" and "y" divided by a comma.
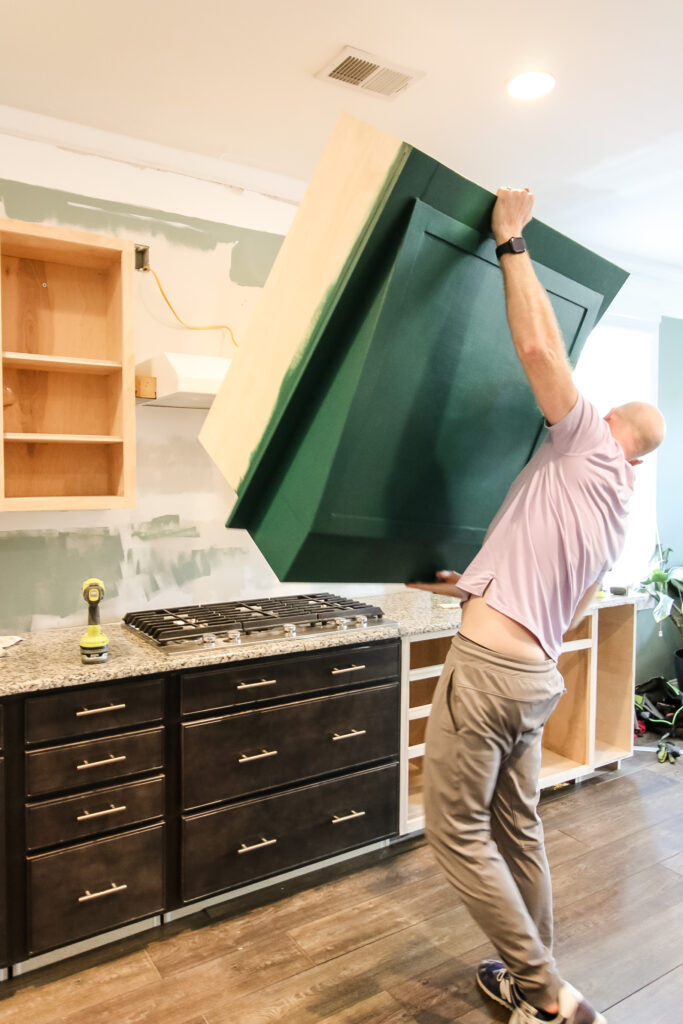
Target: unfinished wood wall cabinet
{"x": 591, "y": 727}
{"x": 67, "y": 369}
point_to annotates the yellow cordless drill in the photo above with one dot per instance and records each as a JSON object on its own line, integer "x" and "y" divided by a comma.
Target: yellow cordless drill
{"x": 94, "y": 644}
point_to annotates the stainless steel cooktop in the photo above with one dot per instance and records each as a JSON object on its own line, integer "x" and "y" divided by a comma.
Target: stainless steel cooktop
{"x": 234, "y": 623}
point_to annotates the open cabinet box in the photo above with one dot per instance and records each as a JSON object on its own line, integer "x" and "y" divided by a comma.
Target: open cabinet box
{"x": 67, "y": 370}
{"x": 591, "y": 727}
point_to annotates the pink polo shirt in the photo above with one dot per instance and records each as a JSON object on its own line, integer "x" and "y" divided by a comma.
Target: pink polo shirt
{"x": 561, "y": 527}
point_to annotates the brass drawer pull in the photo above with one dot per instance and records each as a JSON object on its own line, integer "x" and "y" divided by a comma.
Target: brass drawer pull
{"x": 348, "y": 735}
{"x": 98, "y": 764}
{"x": 256, "y": 757}
{"x": 111, "y": 891}
{"x": 112, "y": 809}
{"x": 252, "y": 686}
{"x": 257, "y": 846}
{"x": 352, "y": 668}
{"x": 347, "y": 817}
{"x": 99, "y": 711}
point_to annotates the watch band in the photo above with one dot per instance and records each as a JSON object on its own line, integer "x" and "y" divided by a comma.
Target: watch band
{"x": 513, "y": 245}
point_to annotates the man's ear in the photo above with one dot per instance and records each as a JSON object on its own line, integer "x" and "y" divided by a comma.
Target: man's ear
{"x": 635, "y": 462}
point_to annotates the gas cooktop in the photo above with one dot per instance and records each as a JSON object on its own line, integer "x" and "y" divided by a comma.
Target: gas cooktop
{"x": 234, "y": 623}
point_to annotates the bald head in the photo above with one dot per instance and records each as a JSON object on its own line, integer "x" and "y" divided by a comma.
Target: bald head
{"x": 638, "y": 427}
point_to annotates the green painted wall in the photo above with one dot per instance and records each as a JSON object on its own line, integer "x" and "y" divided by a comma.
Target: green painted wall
{"x": 252, "y": 257}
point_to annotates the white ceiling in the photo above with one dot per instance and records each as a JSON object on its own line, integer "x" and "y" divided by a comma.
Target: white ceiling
{"x": 235, "y": 81}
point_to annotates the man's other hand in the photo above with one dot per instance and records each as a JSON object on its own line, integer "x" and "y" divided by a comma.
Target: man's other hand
{"x": 511, "y": 213}
{"x": 445, "y": 583}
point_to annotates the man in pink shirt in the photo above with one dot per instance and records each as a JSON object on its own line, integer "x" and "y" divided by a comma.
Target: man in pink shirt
{"x": 561, "y": 526}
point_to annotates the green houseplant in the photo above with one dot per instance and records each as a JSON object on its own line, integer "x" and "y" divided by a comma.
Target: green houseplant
{"x": 665, "y": 585}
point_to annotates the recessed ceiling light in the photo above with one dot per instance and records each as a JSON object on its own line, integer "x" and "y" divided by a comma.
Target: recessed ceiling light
{"x": 530, "y": 85}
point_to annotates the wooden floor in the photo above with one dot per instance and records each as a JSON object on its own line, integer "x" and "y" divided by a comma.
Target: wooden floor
{"x": 392, "y": 944}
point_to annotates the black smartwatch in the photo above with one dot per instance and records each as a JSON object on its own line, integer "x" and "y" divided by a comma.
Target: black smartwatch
{"x": 513, "y": 245}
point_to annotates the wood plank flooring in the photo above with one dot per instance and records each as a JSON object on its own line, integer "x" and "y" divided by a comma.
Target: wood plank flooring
{"x": 390, "y": 943}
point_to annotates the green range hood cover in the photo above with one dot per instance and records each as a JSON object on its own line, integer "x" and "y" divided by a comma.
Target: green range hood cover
{"x": 385, "y": 448}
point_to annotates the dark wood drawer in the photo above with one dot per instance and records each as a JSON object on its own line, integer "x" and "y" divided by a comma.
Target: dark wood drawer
{"x": 239, "y": 844}
{"x": 243, "y": 753}
{"x": 92, "y": 709}
{"x": 94, "y": 887}
{"x": 2, "y": 727}
{"x": 79, "y": 765}
{"x": 289, "y": 676}
{"x": 98, "y": 810}
{"x": 4, "y": 931}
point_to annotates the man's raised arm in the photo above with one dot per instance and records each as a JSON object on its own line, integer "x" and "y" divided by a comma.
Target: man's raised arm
{"x": 531, "y": 318}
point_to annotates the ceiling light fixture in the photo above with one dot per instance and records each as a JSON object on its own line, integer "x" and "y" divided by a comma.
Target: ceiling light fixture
{"x": 531, "y": 85}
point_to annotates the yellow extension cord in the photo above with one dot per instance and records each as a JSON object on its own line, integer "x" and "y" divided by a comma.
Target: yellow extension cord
{"x": 190, "y": 327}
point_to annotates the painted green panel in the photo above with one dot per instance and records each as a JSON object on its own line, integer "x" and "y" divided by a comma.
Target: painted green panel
{"x": 413, "y": 416}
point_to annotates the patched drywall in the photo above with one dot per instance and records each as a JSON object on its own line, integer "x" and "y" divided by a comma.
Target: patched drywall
{"x": 173, "y": 547}
{"x": 253, "y": 253}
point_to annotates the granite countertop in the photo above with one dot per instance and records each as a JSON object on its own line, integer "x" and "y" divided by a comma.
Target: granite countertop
{"x": 50, "y": 659}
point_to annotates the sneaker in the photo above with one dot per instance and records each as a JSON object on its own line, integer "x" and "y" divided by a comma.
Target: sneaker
{"x": 494, "y": 979}
{"x": 573, "y": 1010}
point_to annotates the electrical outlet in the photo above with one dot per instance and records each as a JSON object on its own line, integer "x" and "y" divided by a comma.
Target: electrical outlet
{"x": 141, "y": 257}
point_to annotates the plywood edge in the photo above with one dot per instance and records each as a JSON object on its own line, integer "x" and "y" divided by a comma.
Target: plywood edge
{"x": 2, "y": 417}
{"x": 346, "y": 193}
{"x": 66, "y": 503}
{"x": 19, "y": 237}
{"x": 127, "y": 397}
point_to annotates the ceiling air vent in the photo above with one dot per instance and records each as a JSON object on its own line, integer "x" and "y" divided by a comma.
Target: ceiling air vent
{"x": 361, "y": 70}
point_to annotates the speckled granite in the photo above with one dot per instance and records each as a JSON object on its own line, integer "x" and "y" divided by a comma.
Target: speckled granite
{"x": 51, "y": 658}
{"x": 417, "y": 612}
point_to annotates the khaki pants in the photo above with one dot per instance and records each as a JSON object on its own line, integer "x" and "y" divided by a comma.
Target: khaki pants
{"x": 482, "y": 763}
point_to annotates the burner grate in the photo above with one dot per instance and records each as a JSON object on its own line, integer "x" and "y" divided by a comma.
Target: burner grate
{"x": 241, "y": 621}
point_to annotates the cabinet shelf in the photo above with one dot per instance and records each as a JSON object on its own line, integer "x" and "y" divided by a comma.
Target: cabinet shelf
{"x": 556, "y": 768}
{"x": 64, "y": 438}
{"x": 66, "y": 366}
{"x": 57, "y": 364}
{"x": 576, "y": 645}
{"x": 428, "y": 672}
{"x": 608, "y": 753}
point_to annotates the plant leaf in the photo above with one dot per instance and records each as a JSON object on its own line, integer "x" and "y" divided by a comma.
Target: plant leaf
{"x": 663, "y": 609}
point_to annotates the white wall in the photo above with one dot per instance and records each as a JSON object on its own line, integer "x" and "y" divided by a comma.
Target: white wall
{"x": 172, "y": 548}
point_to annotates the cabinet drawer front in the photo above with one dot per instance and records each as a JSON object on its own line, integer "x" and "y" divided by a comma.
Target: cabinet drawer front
{"x": 91, "y": 888}
{"x": 2, "y": 730}
{"x": 4, "y": 932}
{"x": 239, "y": 844}
{"x": 78, "y": 765}
{"x": 243, "y": 753}
{"x": 97, "y": 810}
{"x": 92, "y": 709}
{"x": 285, "y": 677}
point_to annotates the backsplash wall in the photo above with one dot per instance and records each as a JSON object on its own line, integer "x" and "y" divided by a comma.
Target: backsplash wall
{"x": 173, "y": 547}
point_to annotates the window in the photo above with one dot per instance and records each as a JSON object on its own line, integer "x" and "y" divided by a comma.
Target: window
{"x": 619, "y": 364}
